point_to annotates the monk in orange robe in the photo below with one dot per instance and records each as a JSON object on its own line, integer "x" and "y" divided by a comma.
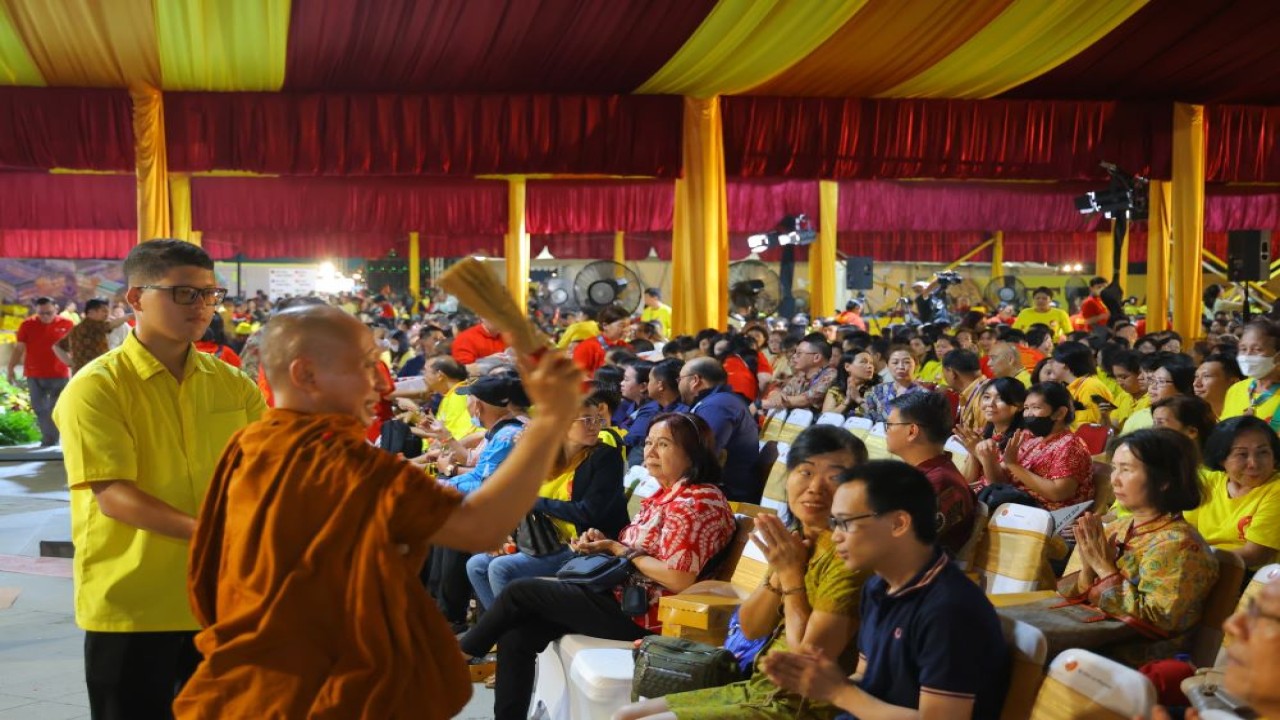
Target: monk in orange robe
{"x": 305, "y": 560}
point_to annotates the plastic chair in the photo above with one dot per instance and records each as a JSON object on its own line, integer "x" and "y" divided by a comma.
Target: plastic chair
{"x": 1192, "y": 686}
{"x": 981, "y": 514}
{"x": 797, "y": 422}
{"x": 830, "y": 418}
{"x": 1095, "y": 437}
{"x": 1027, "y": 651}
{"x": 1224, "y": 597}
{"x": 859, "y": 426}
{"x": 773, "y": 425}
{"x": 1081, "y": 685}
{"x": 1012, "y": 554}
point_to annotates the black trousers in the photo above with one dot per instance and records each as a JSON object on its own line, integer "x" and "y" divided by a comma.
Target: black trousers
{"x": 136, "y": 675}
{"x": 447, "y": 581}
{"x": 527, "y": 616}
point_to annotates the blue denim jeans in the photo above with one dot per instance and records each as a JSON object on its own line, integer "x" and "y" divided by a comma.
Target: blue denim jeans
{"x": 489, "y": 574}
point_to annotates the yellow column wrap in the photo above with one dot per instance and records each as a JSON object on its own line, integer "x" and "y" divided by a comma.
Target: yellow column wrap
{"x": 1158, "y": 257}
{"x": 822, "y": 253}
{"x": 1187, "y": 215}
{"x": 517, "y": 242}
{"x": 619, "y": 251}
{"x": 197, "y": 237}
{"x": 1104, "y": 263}
{"x": 700, "y": 239}
{"x": 180, "y": 206}
{"x": 1123, "y": 270}
{"x": 415, "y": 266}
{"x": 152, "y": 164}
{"x": 997, "y": 255}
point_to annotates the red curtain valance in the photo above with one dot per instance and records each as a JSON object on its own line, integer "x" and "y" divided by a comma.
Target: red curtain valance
{"x": 1243, "y": 143}
{"x": 40, "y": 201}
{"x": 375, "y": 134}
{"x": 907, "y": 138}
{"x": 592, "y": 206}
{"x": 67, "y": 243}
{"x": 756, "y": 206}
{"x": 599, "y": 246}
{"x": 361, "y": 205}
{"x": 225, "y": 245}
{"x": 86, "y": 129}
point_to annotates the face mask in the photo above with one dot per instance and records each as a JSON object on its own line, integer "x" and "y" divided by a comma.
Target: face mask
{"x": 1256, "y": 366}
{"x": 1038, "y": 426}
{"x": 475, "y": 420}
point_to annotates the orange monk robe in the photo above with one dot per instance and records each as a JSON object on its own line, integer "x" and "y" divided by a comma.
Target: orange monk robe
{"x": 309, "y": 606}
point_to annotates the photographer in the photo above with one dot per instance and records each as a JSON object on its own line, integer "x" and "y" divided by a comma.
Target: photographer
{"x": 931, "y": 298}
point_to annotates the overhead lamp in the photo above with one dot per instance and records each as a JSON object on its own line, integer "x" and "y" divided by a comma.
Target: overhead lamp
{"x": 545, "y": 254}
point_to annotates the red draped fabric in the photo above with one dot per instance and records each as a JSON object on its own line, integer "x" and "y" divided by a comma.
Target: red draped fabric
{"x": 352, "y": 205}
{"x": 599, "y": 246}
{"x": 994, "y": 139}
{"x": 67, "y": 243}
{"x": 87, "y": 129}
{"x": 946, "y": 247}
{"x": 493, "y": 46}
{"x": 880, "y": 205}
{"x": 225, "y": 245}
{"x": 40, "y": 201}
{"x": 1241, "y": 208}
{"x": 756, "y": 206}
{"x": 372, "y": 134}
{"x": 592, "y": 206}
{"x": 1243, "y": 143}
{"x": 1202, "y": 51}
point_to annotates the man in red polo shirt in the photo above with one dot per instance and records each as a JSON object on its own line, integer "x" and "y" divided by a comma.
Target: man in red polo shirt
{"x": 46, "y": 375}
{"x": 1094, "y": 312}
{"x": 477, "y": 342}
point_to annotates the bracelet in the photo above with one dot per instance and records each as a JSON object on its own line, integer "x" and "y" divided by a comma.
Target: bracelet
{"x": 782, "y": 592}
{"x": 634, "y": 553}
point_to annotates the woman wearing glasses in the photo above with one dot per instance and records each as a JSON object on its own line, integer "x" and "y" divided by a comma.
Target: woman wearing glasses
{"x": 1240, "y": 509}
{"x": 583, "y": 491}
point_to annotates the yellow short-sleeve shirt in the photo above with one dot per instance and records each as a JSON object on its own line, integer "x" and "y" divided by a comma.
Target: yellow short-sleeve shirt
{"x": 1240, "y": 398}
{"x": 453, "y": 414}
{"x": 1228, "y": 523}
{"x": 124, "y": 417}
{"x": 661, "y": 314}
{"x": 1056, "y": 318}
{"x": 1082, "y": 391}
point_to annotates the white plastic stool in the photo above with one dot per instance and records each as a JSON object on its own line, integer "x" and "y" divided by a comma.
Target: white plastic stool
{"x": 599, "y": 683}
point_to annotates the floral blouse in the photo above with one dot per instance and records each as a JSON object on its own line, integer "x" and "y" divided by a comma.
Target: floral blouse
{"x": 876, "y": 402}
{"x": 1057, "y": 456}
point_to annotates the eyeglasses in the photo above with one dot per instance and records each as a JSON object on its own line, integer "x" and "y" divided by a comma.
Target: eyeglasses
{"x": 1255, "y": 613}
{"x": 891, "y": 424}
{"x": 187, "y": 295}
{"x": 591, "y": 421}
{"x": 843, "y": 524}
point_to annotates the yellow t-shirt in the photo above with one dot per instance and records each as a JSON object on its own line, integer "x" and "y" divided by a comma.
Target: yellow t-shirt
{"x": 661, "y": 314}
{"x": 578, "y": 332}
{"x": 1239, "y": 398}
{"x": 1056, "y": 318}
{"x": 1024, "y": 377}
{"x": 560, "y": 487}
{"x": 1141, "y": 419}
{"x": 1082, "y": 390}
{"x": 452, "y": 413}
{"x": 1228, "y": 523}
{"x": 124, "y": 417}
{"x": 930, "y": 372}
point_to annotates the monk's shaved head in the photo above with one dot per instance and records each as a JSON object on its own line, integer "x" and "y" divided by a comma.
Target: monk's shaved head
{"x": 321, "y": 333}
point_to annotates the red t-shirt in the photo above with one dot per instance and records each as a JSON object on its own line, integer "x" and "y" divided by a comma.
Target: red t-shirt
{"x": 589, "y": 354}
{"x": 385, "y": 411}
{"x": 222, "y": 352}
{"x": 1093, "y": 306}
{"x": 741, "y": 379}
{"x": 474, "y": 343}
{"x": 39, "y": 337}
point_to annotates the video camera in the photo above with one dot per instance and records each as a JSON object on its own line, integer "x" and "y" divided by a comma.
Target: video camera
{"x": 948, "y": 278}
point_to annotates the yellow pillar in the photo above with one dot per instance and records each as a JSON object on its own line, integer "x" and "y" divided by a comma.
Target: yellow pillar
{"x": 517, "y": 242}
{"x": 997, "y": 254}
{"x": 822, "y": 253}
{"x": 180, "y": 206}
{"x": 1104, "y": 263}
{"x": 152, "y": 164}
{"x": 415, "y": 266}
{"x": 619, "y": 247}
{"x": 1123, "y": 270}
{"x": 1187, "y": 216}
{"x": 1158, "y": 257}
{"x": 700, "y": 239}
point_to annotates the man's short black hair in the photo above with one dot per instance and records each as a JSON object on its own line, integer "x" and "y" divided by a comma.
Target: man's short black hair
{"x": 96, "y": 304}
{"x": 962, "y": 361}
{"x": 44, "y": 300}
{"x": 149, "y": 261}
{"x": 929, "y": 411}
{"x": 653, "y": 292}
{"x": 667, "y": 371}
{"x": 1037, "y": 335}
{"x": 894, "y": 486}
{"x": 819, "y": 343}
{"x": 450, "y": 368}
{"x": 709, "y": 369}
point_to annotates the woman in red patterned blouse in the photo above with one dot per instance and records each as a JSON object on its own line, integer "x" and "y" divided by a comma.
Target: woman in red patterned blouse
{"x": 670, "y": 542}
{"x": 1046, "y": 460}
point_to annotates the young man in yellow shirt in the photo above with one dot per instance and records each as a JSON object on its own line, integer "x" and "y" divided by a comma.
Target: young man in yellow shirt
{"x": 1043, "y": 312}
{"x": 143, "y": 428}
{"x": 656, "y": 311}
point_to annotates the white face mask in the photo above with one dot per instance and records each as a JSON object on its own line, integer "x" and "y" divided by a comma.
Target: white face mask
{"x": 1256, "y": 366}
{"x": 475, "y": 420}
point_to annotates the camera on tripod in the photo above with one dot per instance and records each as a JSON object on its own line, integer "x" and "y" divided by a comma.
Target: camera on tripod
{"x": 947, "y": 278}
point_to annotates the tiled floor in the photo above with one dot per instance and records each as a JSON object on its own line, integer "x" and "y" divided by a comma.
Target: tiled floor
{"x": 41, "y": 661}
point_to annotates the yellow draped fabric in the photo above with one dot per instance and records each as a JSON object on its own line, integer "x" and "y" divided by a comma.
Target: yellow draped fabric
{"x": 517, "y": 242}
{"x": 743, "y": 43}
{"x": 620, "y": 247}
{"x": 700, "y": 238}
{"x": 180, "y": 206}
{"x": 89, "y": 43}
{"x": 1104, "y": 256}
{"x": 997, "y": 255}
{"x": 886, "y": 43}
{"x": 1123, "y": 270}
{"x": 1025, "y": 41}
{"x": 16, "y": 65}
{"x": 1187, "y": 216}
{"x": 415, "y": 265}
{"x": 822, "y": 253}
{"x": 1158, "y": 227}
{"x": 152, "y": 164}
{"x": 223, "y": 44}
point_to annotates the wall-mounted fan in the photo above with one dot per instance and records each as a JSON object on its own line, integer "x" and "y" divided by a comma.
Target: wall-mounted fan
{"x": 964, "y": 296}
{"x": 754, "y": 289}
{"x": 555, "y": 294}
{"x": 1005, "y": 289}
{"x": 604, "y": 283}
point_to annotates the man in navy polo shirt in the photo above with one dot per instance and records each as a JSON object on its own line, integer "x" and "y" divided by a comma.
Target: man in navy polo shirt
{"x": 929, "y": 640}
{"x": 704, "y": 387}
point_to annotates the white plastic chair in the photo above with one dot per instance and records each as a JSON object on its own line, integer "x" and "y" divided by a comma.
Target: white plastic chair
{"x": 830, "y": 418}
{"x": 1009, "y": 531}
{"x": 1028, "y": 649}
{"x": 959, "y": 453}
{"x": 859, "y": 426}
{"x": 1081, "y": 685}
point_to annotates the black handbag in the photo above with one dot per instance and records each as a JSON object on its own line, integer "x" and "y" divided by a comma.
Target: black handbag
{"x": 666, "y": 665}
{"x": 537, "y": 535}
{"x": 598, "y": 572}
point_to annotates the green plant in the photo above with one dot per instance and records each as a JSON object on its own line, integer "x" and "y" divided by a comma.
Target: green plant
{"x": 13, "y": 397}
{"x": 18, "y": 428}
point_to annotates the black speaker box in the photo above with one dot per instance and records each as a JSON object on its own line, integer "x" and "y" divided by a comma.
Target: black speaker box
{"x": 1248, "y": 255}
{"x": 857, "y": 273}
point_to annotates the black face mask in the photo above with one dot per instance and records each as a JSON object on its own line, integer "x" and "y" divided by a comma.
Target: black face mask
{"x": 1038, "y": 426}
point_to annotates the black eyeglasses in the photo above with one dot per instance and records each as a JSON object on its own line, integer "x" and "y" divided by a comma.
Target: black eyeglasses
{"x": 842, "y": 524}
{"x": 1254, "y": 613}
{"x": 188, "y": 295}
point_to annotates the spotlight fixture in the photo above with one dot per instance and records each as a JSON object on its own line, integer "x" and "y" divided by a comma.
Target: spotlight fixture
{"x": 1125, "y": 197}
{"x": 791, "y": 230}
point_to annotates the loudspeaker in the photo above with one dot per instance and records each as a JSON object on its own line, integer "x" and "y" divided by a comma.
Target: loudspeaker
{"x": 1248, "y": 255}
{"x": 857, "y": 273}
